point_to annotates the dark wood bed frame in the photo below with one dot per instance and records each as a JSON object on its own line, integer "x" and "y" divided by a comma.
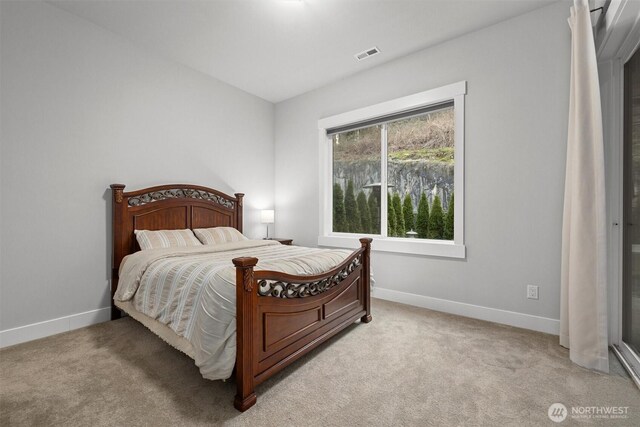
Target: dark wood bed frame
{"x": 280, "y": 317}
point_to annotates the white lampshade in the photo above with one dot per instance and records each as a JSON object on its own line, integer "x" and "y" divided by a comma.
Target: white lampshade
{"x": 267, "y": 216}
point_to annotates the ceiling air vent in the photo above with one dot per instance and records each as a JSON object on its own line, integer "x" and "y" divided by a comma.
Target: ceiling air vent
{"x": 367, "y": 53}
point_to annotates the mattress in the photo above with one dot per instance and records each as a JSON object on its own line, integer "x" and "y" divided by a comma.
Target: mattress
{"x": 190, "y": 292}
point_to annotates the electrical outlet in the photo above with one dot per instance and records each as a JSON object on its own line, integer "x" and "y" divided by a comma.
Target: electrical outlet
{"x": 532, "y": 292}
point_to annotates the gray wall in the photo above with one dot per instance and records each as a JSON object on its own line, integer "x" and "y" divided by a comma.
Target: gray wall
{"x": 82, "y": 108}
{"x": 516, "y": 125}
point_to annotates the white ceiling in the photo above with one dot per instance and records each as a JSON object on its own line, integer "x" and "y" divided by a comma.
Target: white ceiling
{"x": 277, "y": 49}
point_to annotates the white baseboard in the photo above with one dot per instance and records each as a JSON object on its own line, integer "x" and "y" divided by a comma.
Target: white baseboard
{"x": 68, "y": 323}
{"x": 512, "y": 318}
{"x": 54, "y": 326}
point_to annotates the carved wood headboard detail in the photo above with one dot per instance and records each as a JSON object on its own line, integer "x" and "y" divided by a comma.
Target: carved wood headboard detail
{"x": 167, "y": 207}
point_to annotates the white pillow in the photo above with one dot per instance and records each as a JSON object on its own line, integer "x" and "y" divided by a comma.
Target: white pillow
{"x": 165, "y": 239}
{"x": 218, "y": 235}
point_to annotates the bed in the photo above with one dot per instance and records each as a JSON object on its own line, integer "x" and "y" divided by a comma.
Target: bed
{"x": 279, "y": 316}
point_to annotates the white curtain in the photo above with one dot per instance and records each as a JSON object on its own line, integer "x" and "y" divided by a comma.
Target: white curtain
{"x": 583, "y": 301}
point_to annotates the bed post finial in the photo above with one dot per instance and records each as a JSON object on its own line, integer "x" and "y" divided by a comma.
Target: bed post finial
{"x": 239, "y": 209}
{"x": 246, "y": 303}
{"x": 117, "y": 192}
{"x": 365, "y": 242}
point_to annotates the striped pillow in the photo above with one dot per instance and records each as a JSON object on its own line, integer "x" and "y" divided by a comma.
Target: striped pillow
{"x": 165, "y": 239}
{"x": 217, "y": 235}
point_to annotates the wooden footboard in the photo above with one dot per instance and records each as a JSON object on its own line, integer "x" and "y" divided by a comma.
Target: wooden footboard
{"x": 281, "y": 317}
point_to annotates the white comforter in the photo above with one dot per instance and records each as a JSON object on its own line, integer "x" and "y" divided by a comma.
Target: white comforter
{"x": 192, "y": 290}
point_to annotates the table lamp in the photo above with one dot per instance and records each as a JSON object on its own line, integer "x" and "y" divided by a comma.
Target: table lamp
{"x": 267, "y": 216}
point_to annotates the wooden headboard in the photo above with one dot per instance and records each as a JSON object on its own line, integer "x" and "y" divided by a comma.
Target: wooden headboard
{"x": 167, "y": 207}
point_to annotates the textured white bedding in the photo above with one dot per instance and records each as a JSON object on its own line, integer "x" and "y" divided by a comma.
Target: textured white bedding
{"x": 191, "y": 290}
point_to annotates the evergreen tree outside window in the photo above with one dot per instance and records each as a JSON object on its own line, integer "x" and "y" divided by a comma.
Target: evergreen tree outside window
{"x": 436, "y": 220}
{"x": 397, "y": 208}
{"x": 448, "y": 221}
{"x": 422, "y": 223}
{"x": 391, "y": 218}
{"x": 407, "y": 210}
{"x": 339, "y": 217}
{"x": 374, "y": 210}
{"x": 351, "y": 210}
{"x": 365, "y": 215}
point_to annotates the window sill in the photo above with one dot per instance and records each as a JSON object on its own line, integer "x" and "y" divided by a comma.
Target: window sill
{"x": 445, "y": 249}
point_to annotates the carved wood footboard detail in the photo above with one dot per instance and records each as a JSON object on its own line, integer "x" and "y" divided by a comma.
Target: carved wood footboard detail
{"x": 281, "y": 317}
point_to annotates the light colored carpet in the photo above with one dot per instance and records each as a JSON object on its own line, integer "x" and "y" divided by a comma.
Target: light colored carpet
{"x": 410, "y": 366}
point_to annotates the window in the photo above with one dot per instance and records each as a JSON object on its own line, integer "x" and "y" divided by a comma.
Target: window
{"x": 395, "y": 171}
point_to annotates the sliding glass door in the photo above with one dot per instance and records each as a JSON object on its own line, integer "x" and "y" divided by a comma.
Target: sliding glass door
{"x": 630, "y": 347}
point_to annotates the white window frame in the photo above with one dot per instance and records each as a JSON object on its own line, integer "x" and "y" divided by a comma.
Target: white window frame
{"x": 442, "y": 248}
